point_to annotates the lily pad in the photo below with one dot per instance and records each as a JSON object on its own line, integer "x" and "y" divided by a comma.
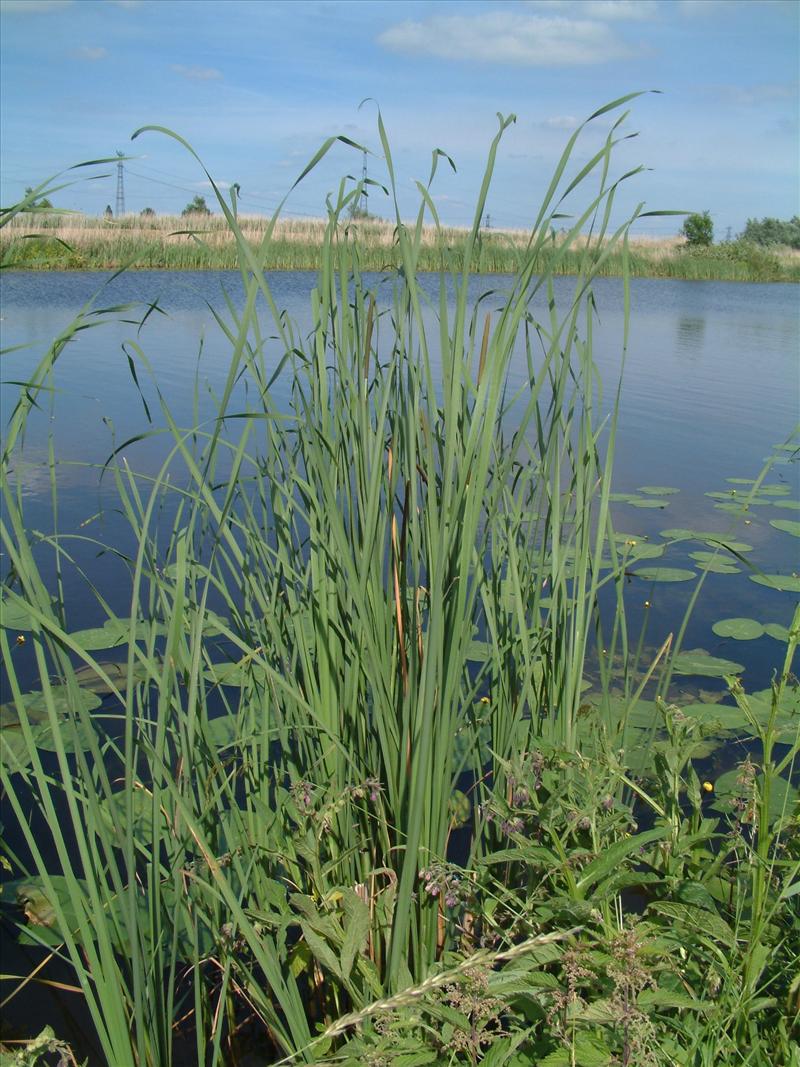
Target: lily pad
{"x": 735, "y": 546}
{"x": 657, "y": 490}
{"x": 784, "y": 583}
{"x": 789, "y": 525}
{"x": 36, "y": 904}
{"x": 775, "y": 630}
{"x": 728, "y": 716}
{"x": 741, "y": 481}
{"x": 112, "y": 633}
{"x": 738, "y": 629}
{"x": 681, "y": 534}
{"x": 787, "y": 713}
{"x": 664, "y": 574}
{"x": 643, "y": 550}
{"x": 117, "y": 673}
{"x": 15, "y": 754}
{"x": 793, "y": 504}
{"x": 646, "y": 502}
{"x": 697, "y": 661}
{"x": 783, "y": 797}
{"x": 714, "y": 562}
{"x": 235, "y": 674}
{"x": 774, "y": 490}
{"x": 736, "y": 509}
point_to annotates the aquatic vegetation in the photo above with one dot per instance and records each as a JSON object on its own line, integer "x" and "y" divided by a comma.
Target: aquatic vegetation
{"x": 366, "y": 768}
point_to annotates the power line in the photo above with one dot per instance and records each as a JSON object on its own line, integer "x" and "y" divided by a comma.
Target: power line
{"x": 120, "y": 188}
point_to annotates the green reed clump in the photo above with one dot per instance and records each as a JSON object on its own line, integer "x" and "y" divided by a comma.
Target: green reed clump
{"x": 359, "y": 624}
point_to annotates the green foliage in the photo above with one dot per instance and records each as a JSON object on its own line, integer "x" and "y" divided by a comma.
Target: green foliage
{"x": 698, "y": 229}
{"x": 339, "y": 614}
{"x": 41, "y": 203}
{"x": 197, "y": 206}
{"x": 147, "y": 213}
{"x": 768, "y": 231}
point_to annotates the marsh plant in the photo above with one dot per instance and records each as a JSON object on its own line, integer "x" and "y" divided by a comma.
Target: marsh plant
{"x": 343, "y": 790}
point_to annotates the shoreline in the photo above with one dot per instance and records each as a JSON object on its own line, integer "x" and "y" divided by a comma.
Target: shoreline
{"x": 62, "y": 242}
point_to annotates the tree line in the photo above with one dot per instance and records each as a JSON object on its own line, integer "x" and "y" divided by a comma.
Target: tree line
{"x": 698, "y": 230}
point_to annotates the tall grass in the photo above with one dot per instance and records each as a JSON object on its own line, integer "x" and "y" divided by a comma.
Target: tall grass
{"x": 67, "y": 241}
{"x": 365, "y": 617}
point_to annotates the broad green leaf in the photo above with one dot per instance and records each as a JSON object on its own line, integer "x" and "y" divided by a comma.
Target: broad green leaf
{"x": 728, "y": 716}
{"x": 793, "y": 505}
{"x": 657, "y": 490}
{"x": 773, "y": 490}
{"x": 356, "y": 929}
{"x": 681, "y": 533}
{"x": 88, "y": 678}
{"x": 784, "y": 583}
{"x": 646, "y": 502}
{"x": 775, "y": 630}
{"x": 697, "y": 661}
{"x": 611, "y": 857}
{"x": 699, "y": 920}
{"x": 664, "y": 574}
{"x": 234, "y": 674}
{"x": 14, "y": 615}
{"x": 715, "y": 563}
{"x": 668, "y": 998}
{"x": 323, "y": 953}
{"x": 739, "y": 629}
{"x": 783, "y": 797}
{"x": 789, "y": 525}
{"x": 643, "y": 550}
{"x": 787, "y": 715}
{"x": 113, "y": 632}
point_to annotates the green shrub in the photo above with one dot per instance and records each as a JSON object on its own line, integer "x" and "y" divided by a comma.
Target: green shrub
{"x": 768, "y": 231}
{"x": 698, "y": 229}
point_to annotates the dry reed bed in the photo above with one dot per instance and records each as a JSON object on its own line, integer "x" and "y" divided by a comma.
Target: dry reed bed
{"x": 163, "y": 242}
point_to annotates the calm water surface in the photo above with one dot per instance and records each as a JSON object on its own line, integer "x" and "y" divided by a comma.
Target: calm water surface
{"x": 711, "y": 385}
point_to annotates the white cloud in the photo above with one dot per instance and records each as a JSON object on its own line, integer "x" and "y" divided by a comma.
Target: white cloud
{"x": 199, "y": 74}
{"x": 702, "y": 8}
{"x": 611, "y": 10}
{"x": 753, "y": 95}
{"x": 561, "y": 122}
{"x": 508, "y": 37}
{"x": 92, "y": 54}
{"x": 32, "y": 7}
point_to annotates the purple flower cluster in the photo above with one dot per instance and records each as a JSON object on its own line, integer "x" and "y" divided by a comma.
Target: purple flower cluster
{"x": 443, "y": 880}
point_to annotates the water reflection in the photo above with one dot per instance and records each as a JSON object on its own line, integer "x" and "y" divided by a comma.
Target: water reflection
{"x": 691, "y": 334}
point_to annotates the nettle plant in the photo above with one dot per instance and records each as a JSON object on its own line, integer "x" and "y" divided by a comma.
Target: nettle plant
{"x": 338, "y": 794}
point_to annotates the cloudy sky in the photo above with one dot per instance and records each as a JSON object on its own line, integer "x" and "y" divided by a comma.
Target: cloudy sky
{"x": 256, "y": 86}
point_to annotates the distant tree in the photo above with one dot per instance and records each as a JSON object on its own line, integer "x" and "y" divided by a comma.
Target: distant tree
{"x": 41, "y": 203}
{"x": 698, "y": 229}
{"x": 148, "y": 213}
{"x": 108, "y": 213}
{"x": 773, "y": 232}
{"x": 198, "y": 206}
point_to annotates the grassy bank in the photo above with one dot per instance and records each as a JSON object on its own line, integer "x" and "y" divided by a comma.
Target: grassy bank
{"x": 162, "y": 243}
{"x": 374, "y": 771}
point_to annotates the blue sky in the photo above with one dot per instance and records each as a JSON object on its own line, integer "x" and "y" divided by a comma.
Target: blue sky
{"x": 256, "y": 86}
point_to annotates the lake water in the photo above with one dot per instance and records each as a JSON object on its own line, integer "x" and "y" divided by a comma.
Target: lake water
{"x": 711, "y": 385}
